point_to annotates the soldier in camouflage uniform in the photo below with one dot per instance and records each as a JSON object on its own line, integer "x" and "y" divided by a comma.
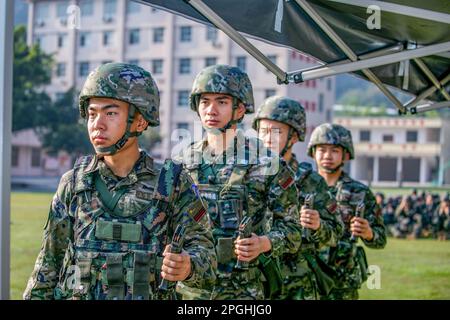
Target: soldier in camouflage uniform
{"x": 287, "y": 118}
{"x": 237, "y": 183}
{"x": 330, "y": 146}
{"x": 113, "y": 214}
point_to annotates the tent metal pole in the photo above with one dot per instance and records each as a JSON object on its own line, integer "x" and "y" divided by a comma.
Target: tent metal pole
{"x": 432, "y": 77}
{"x": 426, "y": 93}
{"x": 348, "y": 51}
{"x": 325, "y": 71}
{"x": 6, "y": 88}
{"x": 206, "y": 11}
{"x": 430, "y": 106}
{"x": 400, "y": 9}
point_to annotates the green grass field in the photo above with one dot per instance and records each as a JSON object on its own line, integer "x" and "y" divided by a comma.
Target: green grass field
{"x": 415, "y": 269}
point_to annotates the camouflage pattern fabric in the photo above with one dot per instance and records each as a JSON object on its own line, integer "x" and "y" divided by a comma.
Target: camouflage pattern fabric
{"x": 257, "y": 192}
{"x": 335, "y": 134}
{"x": 285, "y": 110}
{"x": 223, "y": 79}
{"x": 121, "y": 254}
{"x": 343, "y": 258}
{"x": 299, "y": 279}
{"x": 125, "y": 82}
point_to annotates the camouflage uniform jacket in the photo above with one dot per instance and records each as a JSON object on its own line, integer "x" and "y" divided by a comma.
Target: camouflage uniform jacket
{"x": 310, "y": 182}
{"x": 298, "y": 276}
{"x": 117, "y": 253}
{"x": 343, "y": 258}
{"x": 260, "y": 189}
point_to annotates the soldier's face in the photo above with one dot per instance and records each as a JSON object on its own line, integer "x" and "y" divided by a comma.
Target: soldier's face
{"x": 274, "y": 134}
{"x": 328, "y": 156}
{"x": 216, "y": 109}
{"x": 107, "y": 121}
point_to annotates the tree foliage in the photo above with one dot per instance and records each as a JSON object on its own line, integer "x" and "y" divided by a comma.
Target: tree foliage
{"x": 32, "y": 71}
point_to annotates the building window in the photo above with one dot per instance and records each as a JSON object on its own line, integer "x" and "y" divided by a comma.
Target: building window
{"x": 211, "y": 34}
{"x": 83, "y": 70}
{"x": 321, "y": 102}
{"x": 241, "y": 62}
{"x": 107, "y": 38}
{"x": 133, "y": 7}
{"x": 185, "y": 34}
{"x": 15, "y": 156}
{"x": 269, "y": 93}
{"x": 210, "y": 61}
{"x": 61, "y": 9}
{"x": 411, "y": 136}
{"x": 106, "y": 61}
{"x": 84, "y": 39}
{"x": 273, "y": 59}
{"x": 61, "y": 40}
{"x": 388, "y": 138}
{"x": 364, "y": 136}
{"x": 328, "y": 115}
{"x": 158, "y": 35}
{"x": 183, "y": 98}
{"x": 42, "y": 11}
{"x": 35, "y": 157}
{"x": 133, "y": 36}
{"x": 389, "y": 171}
{"x": 61, "y": 69}
{"x": 411, "y": 169}
{"x": 329, "y": 84}
{"x": 109, "y": 8}
{"x": 86, "y": 7}
{"x": 183, "y": 125}
{"x": 157, "y": 66}
{"x": 185, "y": 66}
{"x": 133, "y": 61}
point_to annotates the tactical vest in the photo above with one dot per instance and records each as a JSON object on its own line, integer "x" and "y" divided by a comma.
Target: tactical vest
{"x": 227, "y": 205}
{"x": 118, "y": 240}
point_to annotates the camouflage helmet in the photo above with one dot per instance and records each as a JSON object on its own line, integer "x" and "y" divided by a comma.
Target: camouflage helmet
{"x": 335, "y": 134}
{"x": 223, "y": 79}
{"x": 125, "y": 82}
{"x": 285, "y": 110}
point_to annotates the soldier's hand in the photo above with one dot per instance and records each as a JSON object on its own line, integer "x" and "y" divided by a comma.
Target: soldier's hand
{"x": 360, "y": 227}
{"x": 175, "y": 267}
{"x": 310, "y": 219}
{"x": 248, "y": 249}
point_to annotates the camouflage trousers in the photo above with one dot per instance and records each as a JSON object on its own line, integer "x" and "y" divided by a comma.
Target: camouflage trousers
{"x": 342, "y": 294}
{"x": 239, "y": 286}
{"x": 189, "y": 293}
{"x": 299, "y": 287}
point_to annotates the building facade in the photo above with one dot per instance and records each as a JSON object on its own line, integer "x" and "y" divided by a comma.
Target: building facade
{"x": 83, "y": 34}
{"x": 393, "y": 151}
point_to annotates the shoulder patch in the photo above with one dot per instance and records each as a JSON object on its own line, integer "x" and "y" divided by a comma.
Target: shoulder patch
{"x": 286, "y": 178}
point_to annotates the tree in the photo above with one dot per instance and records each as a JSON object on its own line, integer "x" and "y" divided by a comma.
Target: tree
{"x": 63, "y": 129}
{"x": 32, "y": 70}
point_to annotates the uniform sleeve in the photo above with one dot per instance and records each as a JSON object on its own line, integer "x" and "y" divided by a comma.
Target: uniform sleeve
{"x": 375, "y": 218}
{"x": 190, "y": 211}
{"x": 285, "y": 234}
{"x": 331, "y": 225}
{"x": 57, "y": 232}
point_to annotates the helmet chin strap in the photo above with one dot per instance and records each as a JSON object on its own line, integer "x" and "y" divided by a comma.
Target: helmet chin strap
{"x": 288, "y": 143}
{"x": 111, "y": 150}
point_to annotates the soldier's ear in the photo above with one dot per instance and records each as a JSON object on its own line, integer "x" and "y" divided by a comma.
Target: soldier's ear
{"x": 346, "y": 156}
{"x": 240, "y": 111}
{"x": 141, "y": 123}
{"x": 294, "y": 138}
